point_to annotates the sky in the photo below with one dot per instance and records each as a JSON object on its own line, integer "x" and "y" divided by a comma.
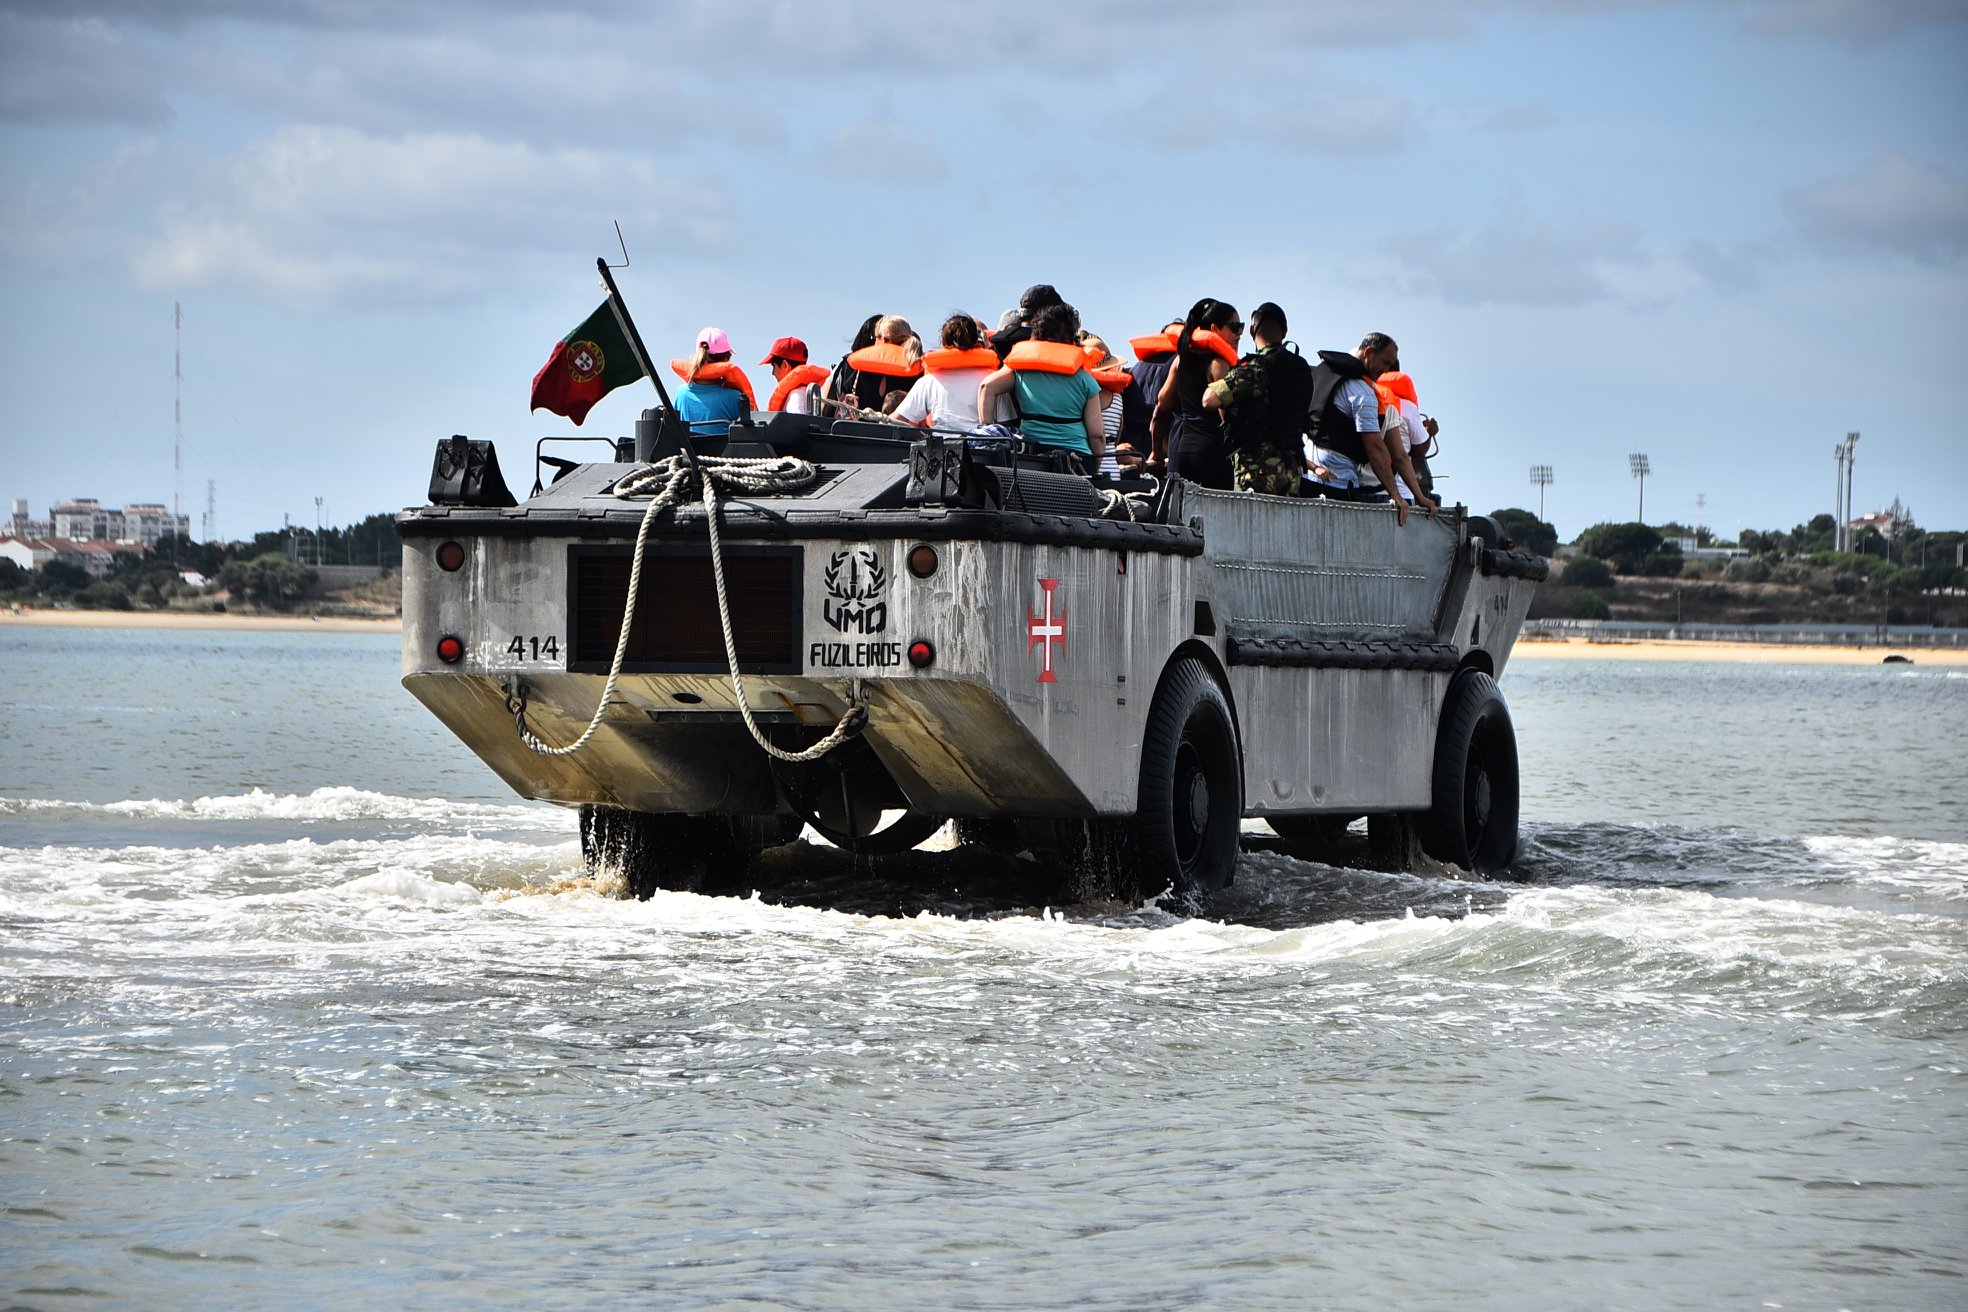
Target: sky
{"x": 1723, "y": 234}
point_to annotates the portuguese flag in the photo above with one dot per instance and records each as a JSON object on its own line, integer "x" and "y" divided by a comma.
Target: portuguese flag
{"x": 589, "y": 363}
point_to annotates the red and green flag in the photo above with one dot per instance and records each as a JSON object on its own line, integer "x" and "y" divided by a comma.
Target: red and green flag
{"x": 589, "y": 363}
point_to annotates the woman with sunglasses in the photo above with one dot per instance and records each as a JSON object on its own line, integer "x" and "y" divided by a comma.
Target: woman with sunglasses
{"x": 1190, "y": 433}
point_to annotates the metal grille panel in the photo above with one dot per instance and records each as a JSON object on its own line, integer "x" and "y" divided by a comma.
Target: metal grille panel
{"x": 676, "y": 623}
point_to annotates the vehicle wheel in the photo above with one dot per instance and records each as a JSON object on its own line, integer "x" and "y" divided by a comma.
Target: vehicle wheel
{"x": 1191, "y": 797}
{"x": 682, "y": 853}
{"x": 1472, "y": 821}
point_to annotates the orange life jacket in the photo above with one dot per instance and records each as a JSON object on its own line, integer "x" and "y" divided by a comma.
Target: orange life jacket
{"x": 886, "y": 359}
{"x": 1401, "y": 385}
{"x": 1046, "y": 357}
{"x": 978, "y": 357}
{"x": 723, "y": 372}
{"x": 1205, "y": 340}
{"x": 1388, "y": 401}
{"x": 804, "y": 375}
{"x": 1110, "y": 380}
{"x": 1154, "y": 346}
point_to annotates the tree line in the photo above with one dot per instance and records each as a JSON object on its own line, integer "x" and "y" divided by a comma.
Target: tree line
{"x": 273, "y": 569}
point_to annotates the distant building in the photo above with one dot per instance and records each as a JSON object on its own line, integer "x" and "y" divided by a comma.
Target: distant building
{"x": 95, "y": 558}
{"x": 1883, "y": 521}
{"x": 85, "y": 519}
{"x": 19, "y": 525}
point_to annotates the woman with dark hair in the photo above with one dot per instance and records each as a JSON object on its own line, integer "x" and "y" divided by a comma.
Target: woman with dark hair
{"x": 946, "y": 394}
{"x": 1058, "y": 400}
{"x": 842, "y": 384}
{"x": 1192, "y": 434}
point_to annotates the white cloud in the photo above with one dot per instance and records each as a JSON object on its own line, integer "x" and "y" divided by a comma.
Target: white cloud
{"x": 76, "y": 70}
{"x": 1521, "y": 261}
{"x": 316, "y": 215}
{"x": 1860, "y": 21}
{"x": 1893, "y": 204}
{"x": 881, "y": 151}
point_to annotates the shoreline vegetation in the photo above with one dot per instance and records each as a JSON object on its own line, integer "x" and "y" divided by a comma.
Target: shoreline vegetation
{"x": 1528, "y": 648}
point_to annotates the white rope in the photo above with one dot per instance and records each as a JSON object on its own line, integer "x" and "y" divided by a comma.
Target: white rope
{"x": 663, "y": 482}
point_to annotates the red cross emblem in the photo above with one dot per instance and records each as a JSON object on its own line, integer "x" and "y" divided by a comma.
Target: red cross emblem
{"x": 1046, "y": 629}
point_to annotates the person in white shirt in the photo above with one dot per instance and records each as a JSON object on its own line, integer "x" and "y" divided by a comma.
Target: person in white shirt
{"x": 946, "y": 394}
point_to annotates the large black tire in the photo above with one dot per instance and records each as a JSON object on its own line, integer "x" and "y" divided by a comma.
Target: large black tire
{"x": 1191, "y": 798}
{"x": 682, "y": 853}
{"x": 1472, "y": 819}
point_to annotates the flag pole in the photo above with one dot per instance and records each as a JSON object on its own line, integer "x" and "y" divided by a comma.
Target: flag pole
{"x": 621, "y": 309}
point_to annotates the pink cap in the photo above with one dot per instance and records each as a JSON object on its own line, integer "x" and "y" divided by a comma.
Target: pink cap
{"x": 714, "y": 341}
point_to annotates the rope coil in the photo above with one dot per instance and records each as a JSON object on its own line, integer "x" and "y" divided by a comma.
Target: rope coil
{"x": 664, "y": 483}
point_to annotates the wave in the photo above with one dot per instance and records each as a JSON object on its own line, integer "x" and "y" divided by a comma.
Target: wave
{"x": 323, "y": 804}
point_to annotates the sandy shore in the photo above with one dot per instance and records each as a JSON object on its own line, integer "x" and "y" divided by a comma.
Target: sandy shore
{"x": 1578, "y": 649}
{"x": 167, "y": 619}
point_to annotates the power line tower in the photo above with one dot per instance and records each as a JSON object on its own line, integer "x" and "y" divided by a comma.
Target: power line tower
{"x": 1541, "y": 479}
{"x": 1701, "y": 515}
{"x": 1637, "y": 463}
{"x": 211, "y": 508}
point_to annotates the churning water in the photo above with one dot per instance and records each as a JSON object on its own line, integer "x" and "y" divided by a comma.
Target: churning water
{"x": 300, "y": 1011}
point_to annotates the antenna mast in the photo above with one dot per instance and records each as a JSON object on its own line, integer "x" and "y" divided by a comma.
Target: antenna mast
{"x": 177, "y": 413}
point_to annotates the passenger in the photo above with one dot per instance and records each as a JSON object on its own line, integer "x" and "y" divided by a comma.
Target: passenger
{"x": 1154, "y": 355}
{"x": 887, "y": 363}
{"x": 946, "y": 394}
{"x": 840, "y": 384}
{"x": 1401, "y": 428}
{"x": 1205, "y": 350}
{"x": 794, "y": 376}
{"x": 1037, "y": 297}
{"x": 715, "y": 391}
{"x": 893, "y": 400}
{"x": 1119, "y": 395}
{"x": 1343, "y": 422}
{"x": 1263, "y": 401}
{"x": 1058, "y": 401}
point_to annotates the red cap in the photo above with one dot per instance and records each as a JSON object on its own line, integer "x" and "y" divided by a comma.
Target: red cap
{"x": 786, "y": 348}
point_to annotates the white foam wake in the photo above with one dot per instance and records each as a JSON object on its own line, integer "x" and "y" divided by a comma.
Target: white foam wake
{"x": 337, "y": 802}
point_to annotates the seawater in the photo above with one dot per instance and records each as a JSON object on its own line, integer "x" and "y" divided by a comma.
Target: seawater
{"x": 300, "y": 1009}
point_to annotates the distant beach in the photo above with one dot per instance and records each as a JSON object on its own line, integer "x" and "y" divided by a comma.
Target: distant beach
{"x": 173, "y": 619}
{"x": 1746, "y": 653}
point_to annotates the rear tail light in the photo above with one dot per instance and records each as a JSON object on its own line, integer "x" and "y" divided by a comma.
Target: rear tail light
{"x": 450, "y": 649}
{"x": 921, "y": 654}
{"x": 451, "y": 557}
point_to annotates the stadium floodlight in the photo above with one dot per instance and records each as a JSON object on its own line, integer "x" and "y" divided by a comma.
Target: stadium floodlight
{"x": 1637, "y": 462}
{"x": 1541, "y": 479}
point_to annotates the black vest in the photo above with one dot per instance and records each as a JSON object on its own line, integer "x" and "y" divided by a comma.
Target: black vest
{"x": 1328, "y": 425}
{"x": 1278, "y": 425}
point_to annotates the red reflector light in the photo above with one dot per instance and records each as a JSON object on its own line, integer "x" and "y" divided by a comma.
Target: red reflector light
{"x": 450, "y": 650}
{"x": 921, "y": 654}
{"x": 922, "y": 561}
{"x": 451, "y": 557}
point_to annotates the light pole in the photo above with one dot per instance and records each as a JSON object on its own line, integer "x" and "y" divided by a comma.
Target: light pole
{"x": 1841, "y": 506}
{"x": 1541, "y": 479}
{"x": 1637, "y": 462}
{"x": 317, "y": 530}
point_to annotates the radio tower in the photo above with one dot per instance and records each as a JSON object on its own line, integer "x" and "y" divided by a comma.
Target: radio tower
{"x": 177, "y": 413}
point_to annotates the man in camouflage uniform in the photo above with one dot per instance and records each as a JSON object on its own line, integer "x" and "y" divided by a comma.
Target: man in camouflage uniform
{"x": 1264, "y": 402}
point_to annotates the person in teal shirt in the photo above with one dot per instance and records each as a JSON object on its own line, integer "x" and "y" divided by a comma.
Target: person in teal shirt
{"x": 1055, "y": 409}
